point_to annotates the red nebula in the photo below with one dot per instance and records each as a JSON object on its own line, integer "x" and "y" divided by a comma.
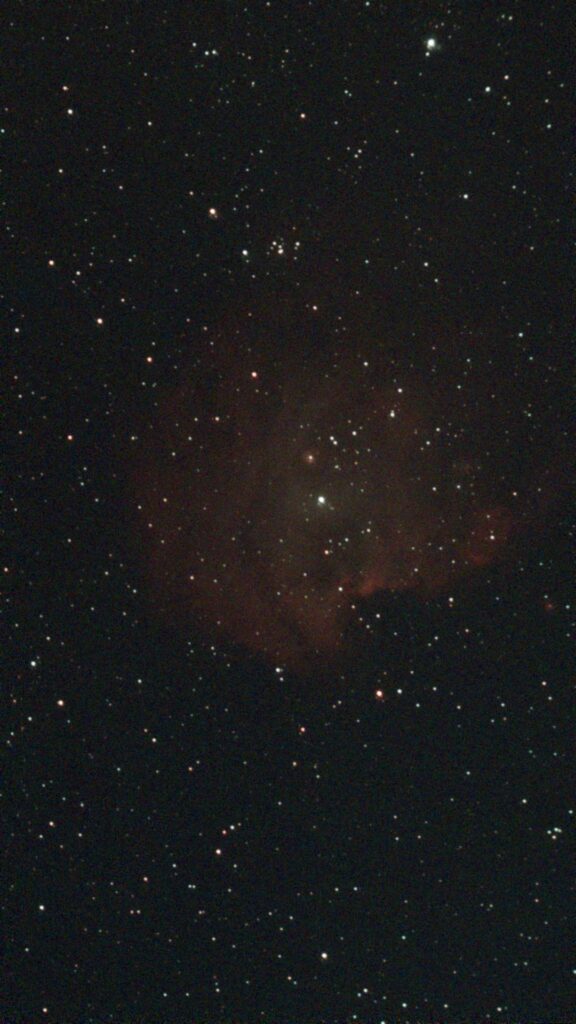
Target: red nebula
{"x": 272, "y": 500}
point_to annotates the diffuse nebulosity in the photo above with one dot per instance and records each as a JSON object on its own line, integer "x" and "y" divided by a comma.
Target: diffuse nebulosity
{"x": 287, "y": 478}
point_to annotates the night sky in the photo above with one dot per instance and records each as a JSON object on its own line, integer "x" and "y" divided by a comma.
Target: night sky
{"x": 288, "y": 708}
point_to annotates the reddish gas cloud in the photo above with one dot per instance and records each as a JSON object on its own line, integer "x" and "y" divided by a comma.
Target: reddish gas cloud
{"x": 281, "y": 483}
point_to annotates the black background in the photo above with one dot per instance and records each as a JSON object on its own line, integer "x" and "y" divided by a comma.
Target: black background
{"x": 423, "y": 842}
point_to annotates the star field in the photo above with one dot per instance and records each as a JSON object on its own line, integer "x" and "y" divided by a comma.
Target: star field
{"x": 288, "y": 576}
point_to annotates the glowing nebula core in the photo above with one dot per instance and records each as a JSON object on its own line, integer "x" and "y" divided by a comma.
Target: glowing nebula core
{"x": 282, "y": 483}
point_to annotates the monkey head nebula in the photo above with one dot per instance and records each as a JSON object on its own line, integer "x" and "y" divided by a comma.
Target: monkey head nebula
{"x": 286, "y": 479}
